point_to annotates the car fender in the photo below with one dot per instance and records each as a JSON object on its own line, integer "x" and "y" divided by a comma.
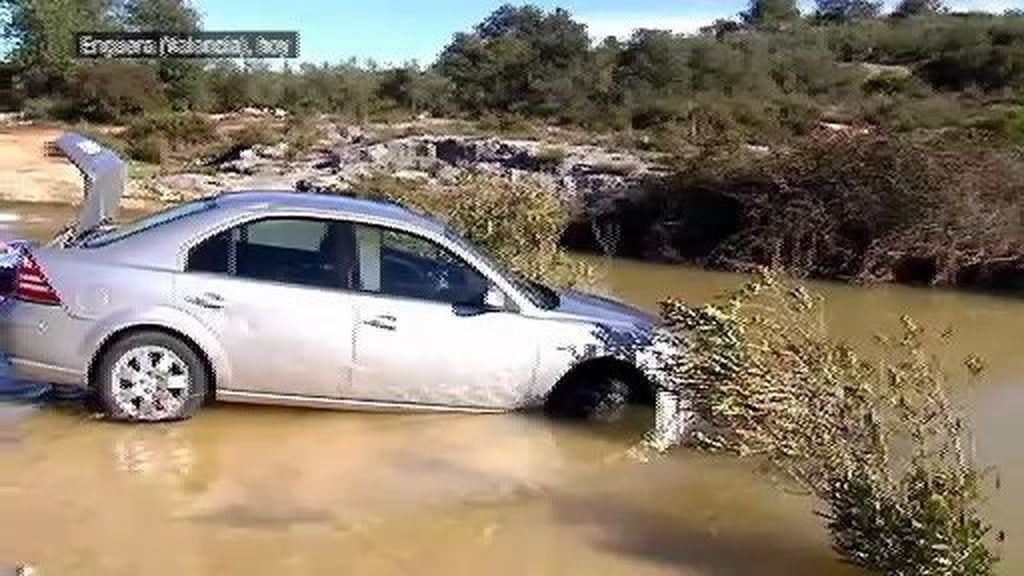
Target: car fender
{"x": 573, "y": 343}
{"x": 163, "y": 317}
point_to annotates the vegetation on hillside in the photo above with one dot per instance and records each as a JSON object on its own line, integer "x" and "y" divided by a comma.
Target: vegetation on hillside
{"x": 768, "y": 74}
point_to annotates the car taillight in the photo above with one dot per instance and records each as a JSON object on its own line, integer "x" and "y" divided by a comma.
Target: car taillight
{"x": 31, "y": 285}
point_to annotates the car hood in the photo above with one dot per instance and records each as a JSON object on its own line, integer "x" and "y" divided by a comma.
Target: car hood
{"x": 104, "y": 175}
{"x": 604, "y": 311}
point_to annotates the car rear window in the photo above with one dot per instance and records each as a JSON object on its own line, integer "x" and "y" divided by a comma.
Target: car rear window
{"x": 146, "y": 223}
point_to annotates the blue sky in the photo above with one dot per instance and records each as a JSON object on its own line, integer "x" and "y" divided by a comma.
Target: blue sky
{"x": 397, "y": 31}
{"x": 400, "y": 30}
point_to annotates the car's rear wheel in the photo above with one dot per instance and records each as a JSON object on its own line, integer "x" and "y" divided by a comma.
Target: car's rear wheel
{"x": 151, "y": 376}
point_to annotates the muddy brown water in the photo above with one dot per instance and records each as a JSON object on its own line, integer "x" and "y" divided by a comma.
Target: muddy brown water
{"x": 263, "y": 490}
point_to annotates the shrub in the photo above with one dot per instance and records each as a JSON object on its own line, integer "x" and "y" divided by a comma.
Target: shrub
{"x": 42, "y": 108}
{"x": 874, "y": 438}
{"x": 303, "y": 133}
{"x": 519, "y": 224}
{"x": 261, "y": 133}
{"x": 151, "y": 148}
{"x": 870, "y": 208}
{"x": 506, "y": 124}
{"x": 113, "y": 91}
{"x": 154, "y": 135}
{"x": 1007, "y": 124}
{"x": 550, "y": 157}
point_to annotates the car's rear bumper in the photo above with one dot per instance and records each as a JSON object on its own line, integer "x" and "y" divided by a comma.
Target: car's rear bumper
{"x": 40, "y": 342}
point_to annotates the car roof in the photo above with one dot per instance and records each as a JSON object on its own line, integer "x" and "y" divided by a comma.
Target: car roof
{"x": 347, "y": 204}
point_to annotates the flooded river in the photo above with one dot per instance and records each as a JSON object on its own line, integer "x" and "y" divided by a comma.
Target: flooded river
{"x": 260, "y": 490}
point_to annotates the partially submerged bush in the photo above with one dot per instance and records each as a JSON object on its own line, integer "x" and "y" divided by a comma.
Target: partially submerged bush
{"x": 517, "y": 223}
{"x": 875, "y": 438}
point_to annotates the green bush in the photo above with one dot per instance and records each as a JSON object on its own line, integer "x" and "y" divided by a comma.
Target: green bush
{"x": 113, "y": 91}
{"x": 875, "y": 438}
{"x": 506, "y": 124}
{"x": 176, "y": 128}
{"x": 151, "y": 148}
{"x": 884, "y": 207}
{"x": 550, "y": 157}
{"x": 519, "y": 224}
{"x": 262, "y": 133}
{"x": 303, "y": 133}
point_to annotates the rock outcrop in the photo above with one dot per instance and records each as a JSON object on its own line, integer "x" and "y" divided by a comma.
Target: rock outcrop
{"x": 349, "y": 154}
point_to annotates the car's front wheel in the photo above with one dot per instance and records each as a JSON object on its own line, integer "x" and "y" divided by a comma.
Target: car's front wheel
{"x": 595, "y": 397}
{"x": 151, "y": 376}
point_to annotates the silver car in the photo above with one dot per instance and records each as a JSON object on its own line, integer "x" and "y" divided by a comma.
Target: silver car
{"x": 303, "y": 299}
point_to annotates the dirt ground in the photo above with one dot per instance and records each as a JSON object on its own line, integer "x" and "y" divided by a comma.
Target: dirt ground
{"x": 27, "y": 174}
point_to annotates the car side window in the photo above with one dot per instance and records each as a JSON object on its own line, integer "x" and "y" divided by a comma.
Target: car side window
{"x": 397, "y": 263}
{"x": 303, "y": 251}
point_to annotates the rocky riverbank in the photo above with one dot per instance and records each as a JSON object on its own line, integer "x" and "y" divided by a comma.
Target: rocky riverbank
{"x": 349, "y": 154}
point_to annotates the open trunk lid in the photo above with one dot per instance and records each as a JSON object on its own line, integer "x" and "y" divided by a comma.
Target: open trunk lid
{"x": 104, "y": 175}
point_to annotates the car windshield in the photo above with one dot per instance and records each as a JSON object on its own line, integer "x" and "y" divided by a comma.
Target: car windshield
{"x": 109, "y": 236}
{"x": 539, "y": 294}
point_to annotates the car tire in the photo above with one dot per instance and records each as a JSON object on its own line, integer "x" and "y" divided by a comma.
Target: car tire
{"x": 151, "y": 376}
{"x": 590, "y": 397}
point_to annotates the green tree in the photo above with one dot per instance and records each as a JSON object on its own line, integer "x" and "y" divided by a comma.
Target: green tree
{"x": 918, "y": 8}
{"x": 164, "y": 15}
{"x": 520, "y": 59}
{"x": 844, "y": 10}
{"x": 42, "y": 33}
{"x": 415, "y": 90}
{"x": 184, "y": 80}
{"x": 770, "y": 13}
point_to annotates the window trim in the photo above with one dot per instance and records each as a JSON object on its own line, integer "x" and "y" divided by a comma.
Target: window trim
{"x": 513, "y": 297}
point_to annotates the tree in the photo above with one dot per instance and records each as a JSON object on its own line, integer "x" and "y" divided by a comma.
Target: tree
{"x": 770, "y": 13}
{"x": 844, "y": 10}
{"x": 43, "y": 36}
{"x": 918, "y": 8}
{"x": 183, "y": 79}
{"x": 520, "y": 59}
{"x": 163, "y": 15}
{"x": 721, "y": 28}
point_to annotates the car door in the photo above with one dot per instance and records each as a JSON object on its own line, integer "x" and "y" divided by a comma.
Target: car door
{"x": 272, "y": 290}
{"x": 422, "y": 334}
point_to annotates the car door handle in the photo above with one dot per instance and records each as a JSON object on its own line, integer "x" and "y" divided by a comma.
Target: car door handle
{"x": 207, "y": 300}
{"x": 384, "y": 322}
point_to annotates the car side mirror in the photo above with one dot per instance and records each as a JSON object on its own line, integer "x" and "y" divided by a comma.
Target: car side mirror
{"x": 494, "y": 299}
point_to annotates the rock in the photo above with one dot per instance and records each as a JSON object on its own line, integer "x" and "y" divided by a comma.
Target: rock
{"x": 353, "y": 134}
{"x": 329, "y": 161}
{"x": 375, "y": 154}
{"x": 411, "y": 175}
{"x": 276, "y": 151}
{"x": 192, "y": 185}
